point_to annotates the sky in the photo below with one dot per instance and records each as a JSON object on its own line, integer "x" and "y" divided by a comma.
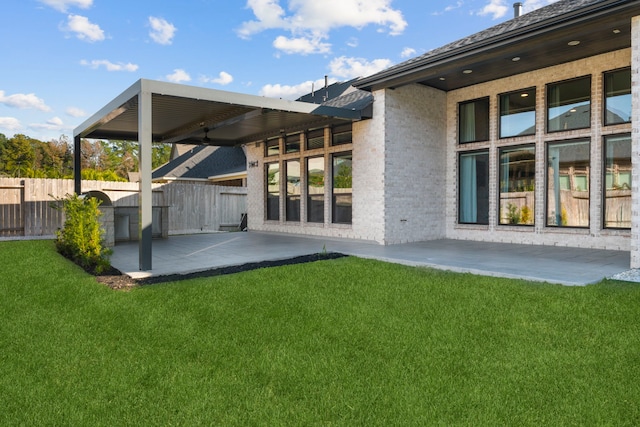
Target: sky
{"x": 63, "y": 60}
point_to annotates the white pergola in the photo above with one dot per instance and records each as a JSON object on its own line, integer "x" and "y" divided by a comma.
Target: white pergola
{"x": 153, "y": 111}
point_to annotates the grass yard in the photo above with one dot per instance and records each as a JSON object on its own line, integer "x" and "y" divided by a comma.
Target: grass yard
{"x": 344, "y": 342}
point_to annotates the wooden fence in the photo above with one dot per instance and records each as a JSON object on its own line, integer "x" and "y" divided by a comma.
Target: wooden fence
{"x": 26, "y": 204}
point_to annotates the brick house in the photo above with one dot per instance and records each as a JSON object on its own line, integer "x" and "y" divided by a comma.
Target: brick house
{"x": 521, "y": 133}
{"x": 526, "y": 132}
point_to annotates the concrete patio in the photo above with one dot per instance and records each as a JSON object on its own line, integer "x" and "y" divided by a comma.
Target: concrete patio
{"x": 193, "y": 253}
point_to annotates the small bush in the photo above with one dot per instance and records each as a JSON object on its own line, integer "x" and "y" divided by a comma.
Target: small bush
{"x": 80, "y": 239}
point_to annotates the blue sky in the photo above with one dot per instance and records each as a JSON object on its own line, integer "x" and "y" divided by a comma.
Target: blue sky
{"x": 65, "y": 59}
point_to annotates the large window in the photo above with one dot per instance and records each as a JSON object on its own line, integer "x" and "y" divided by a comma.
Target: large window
{"x": 293, "y": 190}
{"x": 292, "y": 143}
{"x": 341, "y": 194}
{"x": 473, "y": 206}
{"x": 273, "y": 191}
{"x": 517, "y": 185}
{"x": 617, "y": 178}
{"x": 617, "y": 87}
{"x": 473, "y": 121}
{"x": 518, "y": 113}
{"x": 315, "y": 189}
{"x": 569, "y": 105}
{"x": 568, "y": 184}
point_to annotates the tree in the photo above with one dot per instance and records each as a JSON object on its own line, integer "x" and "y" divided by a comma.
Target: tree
{"x": 18, "y": 156}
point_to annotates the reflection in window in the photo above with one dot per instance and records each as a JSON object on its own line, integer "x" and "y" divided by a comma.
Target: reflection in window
{"x": 517, "y": 185}
{"x": 292, "y": 143}
{"x": 273, "y": 191}
{"x": 293, "y": 190}
{"x": 315, "y": 189}
{"x": 518, "y": 113}
{"x": 341, "y": 135}
{"x": 272, "y": 147}
{"x": 569, "y": 105}
{"x": 617, "y": 170}
{"x": 341, "y": 194}
{"x": 617, "y": 86}
{"x": 473, "y": 122}
{"x": 473, "y": 207}
{"x": 315, "y": 139}
{"x": 568, "y": 184}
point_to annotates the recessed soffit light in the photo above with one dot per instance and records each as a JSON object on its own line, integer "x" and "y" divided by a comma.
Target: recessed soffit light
{"x": 442, "y": 79}
{"x": 524, "y": 95}
{"x": 515, "y": 59}
{"x": 467, "y": 71}
{"x": 574, "y": 43}
{"x": 616, "y": 31}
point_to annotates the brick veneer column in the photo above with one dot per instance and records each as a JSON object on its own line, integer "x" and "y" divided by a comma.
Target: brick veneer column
{"x": 635, "y": 142}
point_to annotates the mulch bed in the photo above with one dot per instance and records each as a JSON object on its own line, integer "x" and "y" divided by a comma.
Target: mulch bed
{"x": 116, "y": 280}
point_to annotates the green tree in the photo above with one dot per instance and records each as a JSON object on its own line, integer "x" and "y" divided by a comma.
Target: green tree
{"x": 18, "y": 156}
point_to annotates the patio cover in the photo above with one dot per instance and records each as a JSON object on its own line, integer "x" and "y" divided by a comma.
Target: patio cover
{"x": 153, "y": 111}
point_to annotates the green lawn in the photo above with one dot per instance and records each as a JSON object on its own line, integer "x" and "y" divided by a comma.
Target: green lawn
{"x": 346, "y": 342}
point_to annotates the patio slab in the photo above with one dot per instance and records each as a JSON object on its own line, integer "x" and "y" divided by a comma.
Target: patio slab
{"x": 193, "y": 253}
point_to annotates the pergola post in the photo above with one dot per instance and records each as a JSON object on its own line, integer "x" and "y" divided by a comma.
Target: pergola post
{"x": 145, "y": 202}
{"x": 77, "y": 166}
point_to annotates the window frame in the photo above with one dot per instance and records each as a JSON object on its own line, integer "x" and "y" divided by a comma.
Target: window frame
{"x": 485, "y": 99}
{"x": 548, "y": 145}
{"x": 486, "y": 152}
{"x": 535, "y": 112}
{"x": 267, "y": 192}
{"x": 341, "y": 130}
{"x": 269, "y": 143}
{"x": 604, "y": 178}
{"x": 548, "y": 88}
{"x": 501, "y": 150}
{"x": 333, "y": 187}
{"x": 309, "y": 195}
{"x": 605, "y": 96}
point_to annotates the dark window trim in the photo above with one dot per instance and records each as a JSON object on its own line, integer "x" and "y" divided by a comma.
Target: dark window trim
{"x": 332, "y": 157}
{"x": 513, "y": 148}
{"x": 604, "y": 179}
{"x": 546, "y": 106}
{"x": 484, "y": 98}
{"x": 535, "y": 111}
{"x": 546, "y": 183}
{"x": 604, "y": 95}
{"x": 266, "y": 190}
{"x": 461, "y": 153}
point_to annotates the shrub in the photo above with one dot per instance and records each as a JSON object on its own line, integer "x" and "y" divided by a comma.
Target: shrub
{"x": 80, "y": 239}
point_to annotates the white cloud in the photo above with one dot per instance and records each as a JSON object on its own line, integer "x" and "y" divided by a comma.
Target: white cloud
{"x": 301, "y": 45}
{"x": 110, "y": 66}
{"x": 496, "y": 8}
{"x": 10, "y": 123}
{"x": 408, "y": 52}
{"x": 162, "y": 32}
{"x": 75, "y": 112}
{"x": 63, "y": 5}
{"x": 292, "y": 92}
{"x": 310, "y": 21}
{"x": 54, "y": 123}
{"x": 349, "y": 68}
{"x": 500, "y": 8}
{"x": 353, "y": 42}
{"x": 223, "y": 79}
{"x": 23, "y": 101}
{"x": 179, "y": 76}
{"x": 84, "y": 29}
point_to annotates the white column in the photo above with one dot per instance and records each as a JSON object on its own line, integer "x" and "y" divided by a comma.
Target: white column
{"x": 635, "y": 142}
{"x": 145, "y": 202}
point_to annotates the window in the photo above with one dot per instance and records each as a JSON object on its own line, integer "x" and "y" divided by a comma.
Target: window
{"x": 569, "y": 105}
{"x": 341, "y": 135}
{"x": 341, "y": 194}
{"x": 617, "y": 87}
{"x": 315, "y": 189}
{"x": 568, "y": 184}
{"x": 272, "y": 147}
{"x": 617, "y": 179}
{"x": 518, "y": 113}
{"x": 473, "y": 181}
{"x": 293, "y": 190}
{"x": 473, "y": 121}
{"x": 292, "y": 143}
{"x": 273, "y": 191}
{"x": 315, "y": 139}
{"x": 517, "y": 185}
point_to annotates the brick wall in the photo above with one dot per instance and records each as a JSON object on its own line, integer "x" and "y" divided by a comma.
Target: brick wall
{"x": 594, "y": 236}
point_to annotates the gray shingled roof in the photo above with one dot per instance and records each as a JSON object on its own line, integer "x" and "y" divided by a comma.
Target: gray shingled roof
{"x": 203, "y": 162}
{"x": 523, "y": 23}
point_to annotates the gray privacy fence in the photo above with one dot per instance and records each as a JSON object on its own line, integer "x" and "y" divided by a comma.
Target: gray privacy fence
{"x": 25, "y": 205}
